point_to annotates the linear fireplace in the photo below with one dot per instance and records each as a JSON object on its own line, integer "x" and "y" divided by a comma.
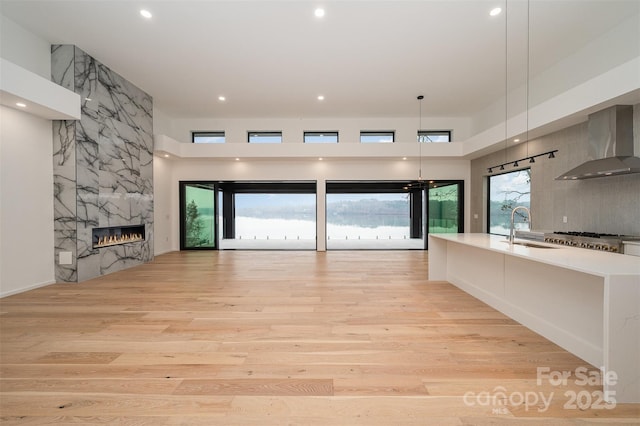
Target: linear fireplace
{"x": 115, "y": 235}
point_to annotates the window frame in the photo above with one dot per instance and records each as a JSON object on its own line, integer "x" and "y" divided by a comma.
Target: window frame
{"x": 319, "y": 133}
{"x": 489, "y": 200}
{"x": 182, "y": 194}
{"x": 428, "y": 133}
{"x": 264, "y": 134}
{"x": 210, "y": 133}
{"x": 365, "y": 133}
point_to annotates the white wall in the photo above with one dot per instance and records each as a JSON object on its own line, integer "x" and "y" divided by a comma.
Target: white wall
{"x": 24, "y": 48}
{"x": 595, "y": 58}
{"x": 163, "y": 219}
{"x": 616, "y": 47}
{"x": 293, "y": 128}
{"x": 166, "y": 187}
{"x": 162, "y": 123}
{"x": 26, "y": 202}
{"x": 26, "y": 175}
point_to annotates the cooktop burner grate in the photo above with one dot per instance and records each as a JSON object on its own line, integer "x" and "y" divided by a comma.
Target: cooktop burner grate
{"x": 587, "y": 234}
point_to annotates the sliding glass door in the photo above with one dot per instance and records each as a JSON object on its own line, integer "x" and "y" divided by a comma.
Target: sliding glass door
{"x": 198, "y": 228}
{"x": 282, "y": 215}
{"x": 267, "y": 215}
{"x": 445, "y": 213}
{"x": 391, "y": 214}
{"x": 445, "y": 207}
{"x": 383, "y": 215}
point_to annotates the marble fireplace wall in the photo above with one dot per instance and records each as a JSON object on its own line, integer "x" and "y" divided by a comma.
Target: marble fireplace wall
{"x": 103, "y": 167}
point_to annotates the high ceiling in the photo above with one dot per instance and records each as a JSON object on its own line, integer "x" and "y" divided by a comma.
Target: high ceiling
{"x": 367, "y": 58}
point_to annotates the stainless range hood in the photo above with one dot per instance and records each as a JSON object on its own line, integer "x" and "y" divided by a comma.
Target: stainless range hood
{"x": 611, "y": 151}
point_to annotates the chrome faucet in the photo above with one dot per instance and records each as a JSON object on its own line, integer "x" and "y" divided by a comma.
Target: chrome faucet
{"x": 513, "y": 214}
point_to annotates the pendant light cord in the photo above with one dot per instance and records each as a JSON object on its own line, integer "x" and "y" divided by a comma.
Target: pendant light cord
{"x": 420, "y": 98}
{"x": 506, "y": 76}
{"x": 527, "y": 82}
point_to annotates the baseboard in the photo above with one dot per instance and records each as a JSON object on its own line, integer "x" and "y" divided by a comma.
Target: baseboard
{"x": 22, "y": 290}
{"x": 164, "y": 252}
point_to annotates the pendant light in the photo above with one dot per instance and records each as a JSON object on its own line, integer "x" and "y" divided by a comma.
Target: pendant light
{"x": 420, "y": 98}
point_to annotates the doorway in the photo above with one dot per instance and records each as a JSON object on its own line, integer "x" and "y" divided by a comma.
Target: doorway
{"x": 445, "y": 207}
{"x": 282, "y": 215}
{"x": 267, "y": 215}
{"x": 198, "y": 223}
{"x": 374, "y": 215}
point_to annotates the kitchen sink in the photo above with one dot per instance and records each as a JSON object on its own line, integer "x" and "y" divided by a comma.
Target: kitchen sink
{"x": 530, "y": 244}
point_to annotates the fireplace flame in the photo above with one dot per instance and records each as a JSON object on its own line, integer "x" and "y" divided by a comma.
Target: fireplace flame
{"x": 118, "y": 239}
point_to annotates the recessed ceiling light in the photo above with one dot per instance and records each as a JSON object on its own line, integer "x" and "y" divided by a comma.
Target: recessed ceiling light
{"x": 320, "y": 159}
{"x": 495, "y": 11}
{"x": 404, "y": 158}
{"x": 21, "y": 105}
{"x": 222, "y": 98}
{"x": 145, "y": 13}
{"x": 321, "y": 98}
{"x": 319, "y": 12}
{"x": 237, "y": 159}
{"x": 516, "y": 140}
{"x": 166, "y": 156}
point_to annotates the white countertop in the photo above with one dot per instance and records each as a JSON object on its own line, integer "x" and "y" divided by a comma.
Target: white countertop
{"x": 593, "y": 262}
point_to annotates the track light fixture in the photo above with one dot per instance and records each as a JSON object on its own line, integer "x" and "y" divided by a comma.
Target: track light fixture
{"x": 516, "y": 163}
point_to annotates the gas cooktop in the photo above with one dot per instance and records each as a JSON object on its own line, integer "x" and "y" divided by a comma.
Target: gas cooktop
{"x": 590, "y": 240}
{"x": 587, "y": 234}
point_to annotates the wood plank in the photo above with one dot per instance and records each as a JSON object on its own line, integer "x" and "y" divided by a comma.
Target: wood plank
{"x": 261, "y": 387}
{"x": 85, "y": 420}
{"x": 111, "y": 386}
{"x": 88, "y": 404}
{"x": 255, "y": 338}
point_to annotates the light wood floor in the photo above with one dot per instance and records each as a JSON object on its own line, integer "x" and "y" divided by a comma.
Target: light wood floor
{"x": 270, "y": 338}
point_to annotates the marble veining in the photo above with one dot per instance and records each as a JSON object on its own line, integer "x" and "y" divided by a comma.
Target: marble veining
{"x": 63, "y": 141}
{"x": 62, "y": 66}
{"x": 103, "y": 166}
{"x": 124, "y": 102}
{"x": 64, "y": 205}
{"x": 86, "y": 81}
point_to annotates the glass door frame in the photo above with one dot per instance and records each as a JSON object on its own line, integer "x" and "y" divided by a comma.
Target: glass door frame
{"x": 248, "y": 187}
{"x": 216, "y": 197}
{"x": 461, "y": 204}
{"x": 182, "y": 185}
{"x": 416, "y": 223}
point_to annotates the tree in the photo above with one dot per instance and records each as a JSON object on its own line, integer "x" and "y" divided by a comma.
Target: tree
{"x": 508, "y": 190}
{"x": 512, "y": 197}
{"x": 193, "y": 225}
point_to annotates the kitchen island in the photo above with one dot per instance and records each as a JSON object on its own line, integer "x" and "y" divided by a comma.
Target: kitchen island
{"x": 586, "y": 301}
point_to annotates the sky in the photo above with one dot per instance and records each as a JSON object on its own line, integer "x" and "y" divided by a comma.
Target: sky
{"x": 513, "y": 181}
